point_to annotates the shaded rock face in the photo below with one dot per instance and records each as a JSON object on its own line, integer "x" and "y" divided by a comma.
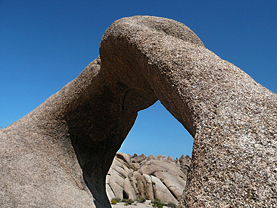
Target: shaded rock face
{"x": 144, "y": 59}
{"x": 152, "y": 177}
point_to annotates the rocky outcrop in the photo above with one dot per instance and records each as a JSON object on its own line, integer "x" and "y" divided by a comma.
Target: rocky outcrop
{"x": 232, "y": 119}
{"x": 38, "y": 164}
{"x": 152, "y": 177}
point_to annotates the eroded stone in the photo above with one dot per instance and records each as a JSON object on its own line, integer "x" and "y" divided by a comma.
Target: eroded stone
{"x": 231, "y": 117}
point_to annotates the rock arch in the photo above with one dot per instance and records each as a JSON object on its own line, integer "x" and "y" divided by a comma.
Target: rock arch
{"x": 142, "y": 59}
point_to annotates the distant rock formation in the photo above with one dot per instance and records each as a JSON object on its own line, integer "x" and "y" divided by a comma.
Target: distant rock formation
{"x": 152, "y": 177}
{"x": 232, "y": 119}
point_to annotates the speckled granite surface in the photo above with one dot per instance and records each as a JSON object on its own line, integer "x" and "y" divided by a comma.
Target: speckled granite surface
{"x": 232, "y": 118}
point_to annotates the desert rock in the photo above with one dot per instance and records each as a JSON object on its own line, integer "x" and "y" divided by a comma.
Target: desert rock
{"x": 232, "y": 119}
{"x": 154, "y": 177}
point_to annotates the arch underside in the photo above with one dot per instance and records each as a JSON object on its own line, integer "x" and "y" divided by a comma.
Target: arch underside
{"x": 144, "y": 59}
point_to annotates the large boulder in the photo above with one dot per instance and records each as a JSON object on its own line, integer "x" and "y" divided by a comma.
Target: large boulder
{"x": 38, "y": 164}
{"x": 232, "y": 118}
{"x": 143, "y": 59}
{"x": 152, "y": 177}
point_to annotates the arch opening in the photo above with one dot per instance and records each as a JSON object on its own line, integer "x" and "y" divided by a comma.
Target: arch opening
{"x": 157, "y": 132}
{"x": 158, "y": 140}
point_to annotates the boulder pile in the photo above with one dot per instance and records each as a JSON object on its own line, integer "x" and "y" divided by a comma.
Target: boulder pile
{"x": 152, "y": 177}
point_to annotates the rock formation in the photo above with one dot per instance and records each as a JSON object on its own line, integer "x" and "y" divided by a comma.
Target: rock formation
{"x": 152, "y": 177}
{"x": 143, "y": 59}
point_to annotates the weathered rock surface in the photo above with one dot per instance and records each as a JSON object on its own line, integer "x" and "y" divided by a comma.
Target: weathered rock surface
{"x": 232, "y": 118}
{"x": 152, "y": 177}
{"x": 38, "y": 164}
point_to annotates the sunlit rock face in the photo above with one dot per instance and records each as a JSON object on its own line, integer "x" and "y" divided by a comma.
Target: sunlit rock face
{"x": 144, "y": 59}
{"x": 153, "y": 177}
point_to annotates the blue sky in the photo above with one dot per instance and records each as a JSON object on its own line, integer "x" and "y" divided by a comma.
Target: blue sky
{"x": 44, "y": 44}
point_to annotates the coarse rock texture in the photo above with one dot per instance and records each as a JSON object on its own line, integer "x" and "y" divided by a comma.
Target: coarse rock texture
{"x": 38, "y": 165}
{"x": 232, "y": 118}
{"x": 153, "y": 177}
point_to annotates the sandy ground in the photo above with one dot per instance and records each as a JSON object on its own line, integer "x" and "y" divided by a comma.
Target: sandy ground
{"x": 146, "y": 204}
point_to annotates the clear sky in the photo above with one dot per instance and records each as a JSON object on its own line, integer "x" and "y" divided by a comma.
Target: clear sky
{"x": 44, "y": 44}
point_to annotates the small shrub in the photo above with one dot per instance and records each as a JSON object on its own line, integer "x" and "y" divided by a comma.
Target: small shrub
{"x": 113, "y": 201}
{"x": 141, "y": 200}
{"x": 117, "y": 199}
{"x": 157, "y": 203}
{"x": 128, "y": 202}
{"x": 171, "y": 205}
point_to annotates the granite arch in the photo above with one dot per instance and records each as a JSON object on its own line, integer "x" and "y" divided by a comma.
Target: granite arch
{"x": 143, "y": 59}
